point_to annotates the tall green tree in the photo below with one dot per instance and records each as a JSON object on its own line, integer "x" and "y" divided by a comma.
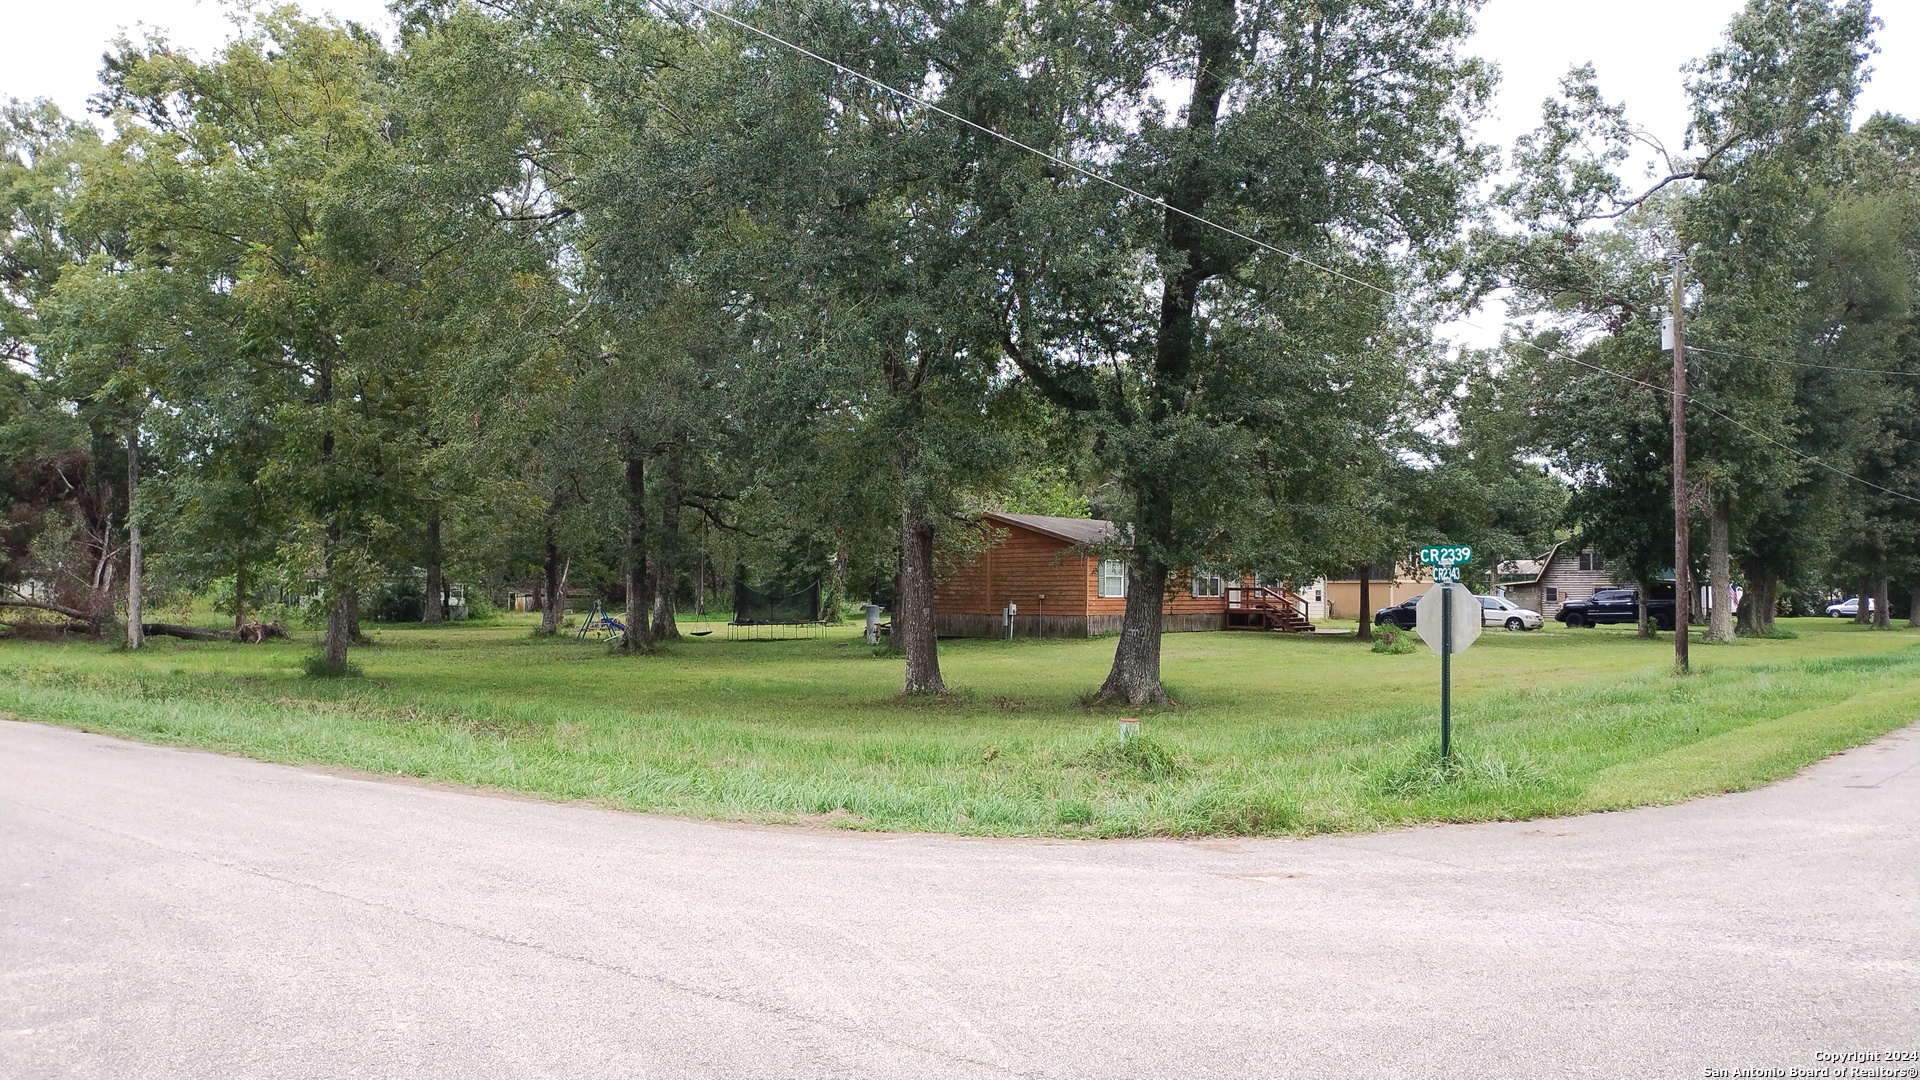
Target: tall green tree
{"x": 319, "y": 223}
{"x": 1234, "y": 387}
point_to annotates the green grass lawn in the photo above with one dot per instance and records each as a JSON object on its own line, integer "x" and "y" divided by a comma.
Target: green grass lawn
{"x": 1274, "y": 734}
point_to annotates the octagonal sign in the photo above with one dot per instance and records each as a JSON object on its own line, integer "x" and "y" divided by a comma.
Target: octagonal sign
{"x": 1466, "y": 616}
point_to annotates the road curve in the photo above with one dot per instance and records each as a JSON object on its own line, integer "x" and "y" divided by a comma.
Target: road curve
{"x": 172, "y": 913}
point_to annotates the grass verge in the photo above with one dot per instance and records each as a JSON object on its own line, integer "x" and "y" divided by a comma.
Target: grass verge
{"x": 1276, "y": 734}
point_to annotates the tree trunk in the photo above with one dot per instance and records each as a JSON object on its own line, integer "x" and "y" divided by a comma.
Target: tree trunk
{"x": 1913, "y": 606}
{"x": 338, "y": 623}
{"x": 1882, "y": 598}
{"x": 1861, "y": 615}
{"x": 1745, "y": 615}
{"x": 634, "y": 556}
{"x": 1762, "y": 598}
{"x": 1366, "y": 602}
{"x": 435, "y": 609}
{"x": 1135, "y": 677}
{"x": 554, "y": 599}
{"x": 666, "y": 568}
{"x": 353, "y": 616}
{"x": 700, "y": 580}
{"x": 1642, "y": 626}
{"x": 836, "y": 601}
{"x": 136, "y": 570}
{"x": 913, "y": 609}
{"x": 1720, "y": 570}
{"x": 337, "y": 634}
{"x": 239, "y": 593}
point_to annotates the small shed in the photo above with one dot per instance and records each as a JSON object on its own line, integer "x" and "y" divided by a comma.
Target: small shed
{"x": 1041, "y": 565}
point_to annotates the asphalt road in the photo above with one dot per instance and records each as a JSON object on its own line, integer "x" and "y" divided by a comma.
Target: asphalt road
{"x": 173, "y": 914}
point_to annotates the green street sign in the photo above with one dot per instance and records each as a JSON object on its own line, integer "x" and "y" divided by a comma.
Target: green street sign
{"x": 1446, "y": 573}
{"x": 1446, "y": 555}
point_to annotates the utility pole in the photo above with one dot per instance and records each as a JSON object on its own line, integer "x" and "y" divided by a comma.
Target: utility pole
{"x": 136, "y": 558}
{"x": 1682, "y": 578}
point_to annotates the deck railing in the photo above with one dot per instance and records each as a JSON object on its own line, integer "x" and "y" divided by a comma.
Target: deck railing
{"x": 1257, "y": 597}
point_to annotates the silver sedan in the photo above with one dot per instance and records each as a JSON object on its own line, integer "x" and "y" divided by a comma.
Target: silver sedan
{"x": 1500, "y": 611}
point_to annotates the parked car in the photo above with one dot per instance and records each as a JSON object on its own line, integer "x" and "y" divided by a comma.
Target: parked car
{"x": 1500, "y": 611}
{"x": 1494, "y": 611}
{"x": 1400, "y": 615}
{"x": 1616, "y": 606}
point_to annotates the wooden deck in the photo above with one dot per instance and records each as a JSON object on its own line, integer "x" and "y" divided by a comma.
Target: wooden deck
{"x": 1263, "y": 607}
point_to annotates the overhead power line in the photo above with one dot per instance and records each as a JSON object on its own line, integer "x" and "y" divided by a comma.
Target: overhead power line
{"x": 1229, "y": 230}
{"x": 1696, "y": 403}
{"x": 1803, "y": 363}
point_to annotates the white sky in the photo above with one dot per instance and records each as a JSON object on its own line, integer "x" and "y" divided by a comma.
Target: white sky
{"x": 53, "y": 50}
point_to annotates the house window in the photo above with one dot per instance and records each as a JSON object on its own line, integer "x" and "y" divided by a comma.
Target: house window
{"x": 1553, "y": 595}
{"x": 1113, "y": 577}
{"x": 1208, "y": 585}
{"x": 1587, "y": 560}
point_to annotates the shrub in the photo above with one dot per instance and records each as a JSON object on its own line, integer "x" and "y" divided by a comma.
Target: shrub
{"x": 316, "y": 667}
{"x": 401, "y": 600}
{"x": 479, "y": 608}
{"x": 1394, "y": 642}
{"x": 1141, "y": 757}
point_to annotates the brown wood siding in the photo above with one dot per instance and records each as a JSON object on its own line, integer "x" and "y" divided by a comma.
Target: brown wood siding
{"x": 1179, "y": 601}
{"x": 963, "y": 625}
{"x": 1025, "y": 568}
{"x": 1030, "y": 569}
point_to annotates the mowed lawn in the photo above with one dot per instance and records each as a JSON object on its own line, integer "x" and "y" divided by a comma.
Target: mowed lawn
{"x": 1273, "y": 734}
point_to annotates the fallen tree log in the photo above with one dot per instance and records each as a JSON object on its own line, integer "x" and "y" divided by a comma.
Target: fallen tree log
{"x": 192, "y": 633}
{"x": 40, "y": 605}
{"x": 252, "y": 633}
{"x": 30, "y": 629}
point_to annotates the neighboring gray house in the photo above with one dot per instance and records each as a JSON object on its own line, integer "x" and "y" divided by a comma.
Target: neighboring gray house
{"x": 1564, "y": 573}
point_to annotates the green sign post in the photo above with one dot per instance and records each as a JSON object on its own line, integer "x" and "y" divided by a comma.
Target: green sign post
{"x": 1436, "y": 618}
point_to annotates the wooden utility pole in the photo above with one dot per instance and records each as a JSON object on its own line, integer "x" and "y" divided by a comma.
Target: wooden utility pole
{"x": 136, "y": 557}
{"x": 1682, "y": 579}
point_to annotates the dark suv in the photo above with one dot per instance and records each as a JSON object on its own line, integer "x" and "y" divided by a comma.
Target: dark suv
{"x": 1400, "y": 615}
{"x": 1616, "y": 606}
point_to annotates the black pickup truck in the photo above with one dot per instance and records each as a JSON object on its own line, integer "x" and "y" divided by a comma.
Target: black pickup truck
{"x": 1616, "y": 606}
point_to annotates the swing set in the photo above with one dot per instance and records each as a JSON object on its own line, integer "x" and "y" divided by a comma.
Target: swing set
{"x": 600, "y": 626}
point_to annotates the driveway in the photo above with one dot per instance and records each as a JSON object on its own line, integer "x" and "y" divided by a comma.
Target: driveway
{"x": 171, "y": 913}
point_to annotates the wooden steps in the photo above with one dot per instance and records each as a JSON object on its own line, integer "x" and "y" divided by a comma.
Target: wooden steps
{"x": 1262, "y": 607}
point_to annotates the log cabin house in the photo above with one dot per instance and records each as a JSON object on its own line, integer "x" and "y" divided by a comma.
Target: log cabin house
{"x": 1567, "y": 572}
{"x": 1047, "y": 567}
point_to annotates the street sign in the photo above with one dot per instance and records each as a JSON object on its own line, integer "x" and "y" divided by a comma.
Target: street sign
{"x": 1446, "y": 573}
{"x": 1446, "y": 555}
{"x": 1428, "y": 616}
{"x": 1448, "y": 619}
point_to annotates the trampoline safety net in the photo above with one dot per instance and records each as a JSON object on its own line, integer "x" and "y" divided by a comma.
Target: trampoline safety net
{"x": 774, "y": 604}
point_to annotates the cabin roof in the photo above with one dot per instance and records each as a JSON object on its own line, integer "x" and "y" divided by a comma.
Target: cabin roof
{"x": 1072, "y": 530}
{"x": 1529, "y": 571}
